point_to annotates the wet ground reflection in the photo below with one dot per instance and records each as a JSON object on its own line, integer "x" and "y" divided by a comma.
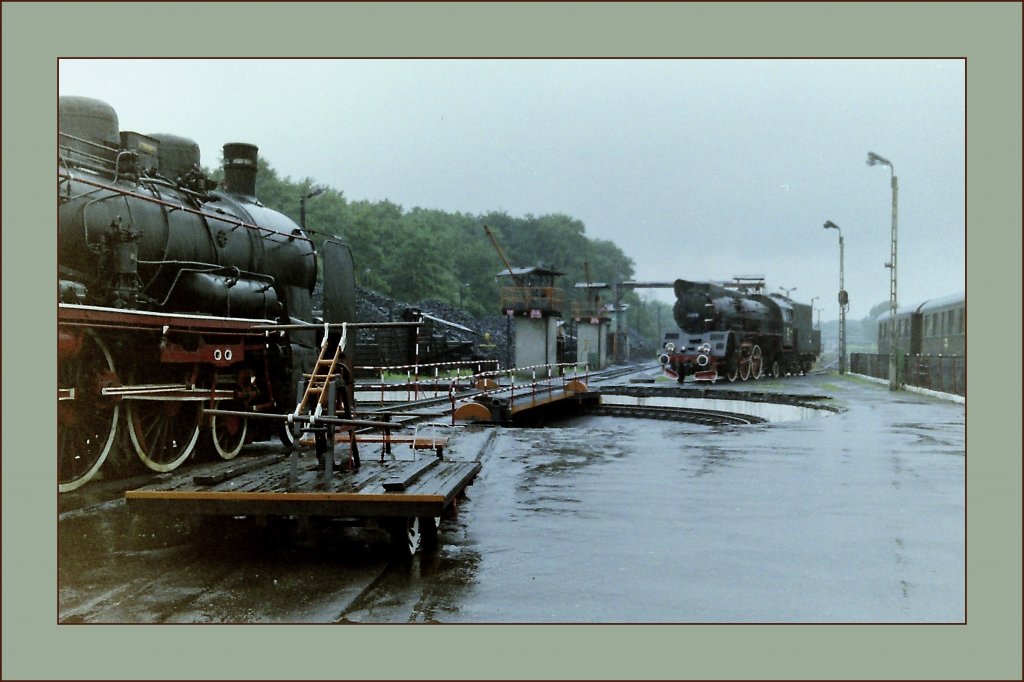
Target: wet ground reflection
{"x": 855, "y": 518}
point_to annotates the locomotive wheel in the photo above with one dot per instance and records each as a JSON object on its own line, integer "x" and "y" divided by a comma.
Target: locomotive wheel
{"x": 406, "y": 536}
{"x": 87, "y": 423}
{"x": 284, "y": 434}
{"x": 776, "y": 370}
{"x": 164, "y": 432}
{"x": 732, "y": 371}
{"x": 756, "y": 363}
{"x": 744, "y": 369}
{"x": 227, "y": 434}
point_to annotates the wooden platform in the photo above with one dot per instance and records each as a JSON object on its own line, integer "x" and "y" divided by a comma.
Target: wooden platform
{"x": 265, "y": 485}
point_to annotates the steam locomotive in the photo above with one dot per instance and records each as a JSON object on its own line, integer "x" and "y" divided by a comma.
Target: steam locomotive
{"x": 734, "y": 330}
{"x": 174, "y": 295}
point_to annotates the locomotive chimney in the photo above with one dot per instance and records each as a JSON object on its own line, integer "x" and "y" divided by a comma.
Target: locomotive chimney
{"x": 240, "y": 168}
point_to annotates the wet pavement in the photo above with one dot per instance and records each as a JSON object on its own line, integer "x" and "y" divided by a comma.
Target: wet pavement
{"x": 849, "y": 516}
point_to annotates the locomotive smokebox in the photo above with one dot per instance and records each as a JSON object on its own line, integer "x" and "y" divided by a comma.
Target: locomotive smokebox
{"x": 240, "y": 168}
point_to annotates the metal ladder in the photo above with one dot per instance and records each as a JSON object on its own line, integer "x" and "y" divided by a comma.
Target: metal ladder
{"x": 319, "y": 394}
{"x": 321, "y": 377}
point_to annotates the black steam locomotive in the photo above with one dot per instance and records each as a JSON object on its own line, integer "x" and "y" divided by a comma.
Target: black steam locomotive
{"x": 735, "y": 331}
{"x": 169, "y": 293}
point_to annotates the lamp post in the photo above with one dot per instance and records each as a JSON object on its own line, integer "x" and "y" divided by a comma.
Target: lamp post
{"x": 786, "y": 291}
{"x": 876, "y": 160}
{"x": 302, "y": 205}
{"x": 844, "y": 300}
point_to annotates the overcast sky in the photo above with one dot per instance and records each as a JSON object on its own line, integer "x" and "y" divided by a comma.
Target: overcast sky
{"x": 696, "y": 169}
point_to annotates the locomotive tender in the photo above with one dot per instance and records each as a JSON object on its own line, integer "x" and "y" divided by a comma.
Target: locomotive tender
{"x": 166, "y": 289}
{"x": 736, "y": 331}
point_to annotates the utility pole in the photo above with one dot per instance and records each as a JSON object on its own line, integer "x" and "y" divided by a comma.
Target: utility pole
{"x": 843, "y": 300}
{"x": 876, "y": 160}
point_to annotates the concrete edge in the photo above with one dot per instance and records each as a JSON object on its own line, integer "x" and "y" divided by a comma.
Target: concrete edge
{"x": 952, "y": 397}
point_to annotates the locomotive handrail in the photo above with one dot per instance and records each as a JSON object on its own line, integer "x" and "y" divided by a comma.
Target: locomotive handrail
{"x": 266, "y": 232}
{"x": 206, "y": 269}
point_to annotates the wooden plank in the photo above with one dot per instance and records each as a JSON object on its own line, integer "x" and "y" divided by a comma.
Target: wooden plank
{"x": 266, "y": 487}
{"x": 233, "y": 472}
{"x": 402, "y": 479}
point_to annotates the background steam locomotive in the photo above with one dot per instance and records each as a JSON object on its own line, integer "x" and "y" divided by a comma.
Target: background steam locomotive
{"x": 166, "y": 289}
{"x": 734, "y": 330}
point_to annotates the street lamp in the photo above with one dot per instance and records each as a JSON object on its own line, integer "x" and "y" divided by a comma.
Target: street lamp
{"x": 844, "y": 300}
{"x": 876, "y": 160}
{"x": 302, "y": 205}
{"x": 786, "y": 291}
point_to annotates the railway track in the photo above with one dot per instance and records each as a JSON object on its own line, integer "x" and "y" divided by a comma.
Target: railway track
{"x": 679, "y": 414}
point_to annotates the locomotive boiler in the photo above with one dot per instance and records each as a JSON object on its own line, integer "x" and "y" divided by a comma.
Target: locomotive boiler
{"x": 169, "y": 289}
{"x": 735, "y": 331}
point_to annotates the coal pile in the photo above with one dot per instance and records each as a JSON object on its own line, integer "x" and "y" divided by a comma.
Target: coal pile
{"x": 486, "y": 338}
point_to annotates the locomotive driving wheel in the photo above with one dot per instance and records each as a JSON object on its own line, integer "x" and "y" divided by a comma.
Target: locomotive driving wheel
{"x": 163, "y": 431}
{"x": 732, "y": 371}
{"x": 86, "y": 420}
{"x": 756, "y": 363}
{"x": 744, "y": 367}
{"x": 227, "y": 432}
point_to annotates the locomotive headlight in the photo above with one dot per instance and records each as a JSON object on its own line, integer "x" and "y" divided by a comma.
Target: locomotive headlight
{"x": 705, "y": 348}
{"x": 670, "y": 346}
{"x": 663, "y": 359}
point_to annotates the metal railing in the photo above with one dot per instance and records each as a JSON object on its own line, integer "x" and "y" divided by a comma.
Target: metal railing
{"x": 550, "y": 375}
{"x": 521, "y": 299}
{"x": 418, "y": 374}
